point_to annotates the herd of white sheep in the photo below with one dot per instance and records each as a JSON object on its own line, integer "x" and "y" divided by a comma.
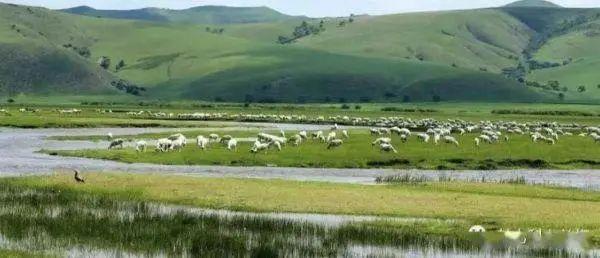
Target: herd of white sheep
{"x": 437, "y": 132}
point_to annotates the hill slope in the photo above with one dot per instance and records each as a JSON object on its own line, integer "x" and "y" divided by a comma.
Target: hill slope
{"x": 533, "y": 3}
{"x": 456, "y": 55}
{"x": 32, "y": 63}
{"x": 196, "y": 15}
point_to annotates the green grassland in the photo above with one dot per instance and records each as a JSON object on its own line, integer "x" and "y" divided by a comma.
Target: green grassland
{"x": 520, "y": 152}
{"x": 552, "y": 208}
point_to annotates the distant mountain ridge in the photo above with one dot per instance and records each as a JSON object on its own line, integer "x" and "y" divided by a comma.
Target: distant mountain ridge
{"x": 199, "y": 15}
{"x": 533, "y": 3}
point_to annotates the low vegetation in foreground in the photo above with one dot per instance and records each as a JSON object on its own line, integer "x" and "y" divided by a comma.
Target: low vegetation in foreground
{"x": 570, "y": 152}
{"x": 53, "y": 212}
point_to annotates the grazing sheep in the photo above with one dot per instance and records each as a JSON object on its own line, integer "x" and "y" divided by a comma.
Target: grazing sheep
{"x": 331, "y": 136}
{"x": 345, "y": 134}
{"x": 116, "y": 143}
{"x": 225, "y": 139}
{"x": 163, "y": 145}
{"x": 374, "y": 131}
{"x": 334, "y": 143}
{"x": 461, "y": 131}
{"x": 476, "y": 229}
{"x": 282, "y": 133}
{"x": 109, "y": 136}
{"x": 387, "y": 148}
{"x": 506, "y": 139}
{"x": 258, "y": 146}
{"x": 296, "y": 139}
{"x": 436, "y": 138}
{"x": 385, "y": 131}
{"x": 485, "y": 138}
{"x": 404, "y": 138}
{"x": 177, "y": 144}
{"x": 450, "y": 139}
{"x": 317, "y": 135}
{"x": 424, "y": 137}
{"x": 202, "y": 142}
{"x": 277, "y": 145}
{"x": 232, "y": 144}
{"x": 140, "y": 146}
{"x": 382, "y": 140}
{"x": 303, "y": 134}
{"x": 477, "y": 141}
{"x": 180, "y": 138}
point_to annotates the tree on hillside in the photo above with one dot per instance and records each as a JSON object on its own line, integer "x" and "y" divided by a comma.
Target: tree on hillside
{"x": 561, "y": 96}
{"x": 555, "y": 85}
{"x": 104, "y": 62}
{"x": 598, "y": 86}
{"x": 581, "y": 88}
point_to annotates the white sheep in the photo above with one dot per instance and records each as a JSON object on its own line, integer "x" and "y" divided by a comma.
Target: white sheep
{"x": 424, "y": 137}
{"x": 382, "y": 140}
{"x": 163, "y": 144}
{"x": 303, "y": 134}
{"x": 140, "y": 146}
{"x": 387, "y": 148}
{"x": 282, "y": 133}
{"x": 258, "y": 146}
{"x": 109, "y": 136}
{"x": 177, "y": 144}
{"x": 277, "y": 145}
{"x": 232, "y": 144}
{"x": 450, "y": 139}
{"x": 296, "y": 139}
{"x": 374, "y": 131}
{"x": 485, "y": 138}
{"x": 317, "y": 135}
{"x": 334, "y": 143}
{"x": 476, "y": 229}
{"x": 331, "y": 136}
{"x": 436, "y": 138}
{"x": 335, "y": 127}
{"x": 202, "y": 142}
{"x": 477, "y": 141}
{"x": 180, "y": 138}
{"x": 225, "y": 139}
{"x": 345, "y": 134}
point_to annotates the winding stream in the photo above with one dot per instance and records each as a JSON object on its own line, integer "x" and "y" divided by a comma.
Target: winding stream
{"x": 19, "y": 147}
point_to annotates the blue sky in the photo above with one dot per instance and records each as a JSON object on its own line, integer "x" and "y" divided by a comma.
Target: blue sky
{"x": 313, "y": 8}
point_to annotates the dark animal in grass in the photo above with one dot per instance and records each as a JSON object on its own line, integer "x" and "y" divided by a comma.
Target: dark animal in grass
{"x": 115, "y": 143}
{"x": 78, "y": 177}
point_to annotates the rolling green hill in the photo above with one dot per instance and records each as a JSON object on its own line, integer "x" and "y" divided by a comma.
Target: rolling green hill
{"x": 32, "y": 63}
{"x": 447, "y": 56}
{"x": 533, "y": 3}
{"x": 196, "y": 15}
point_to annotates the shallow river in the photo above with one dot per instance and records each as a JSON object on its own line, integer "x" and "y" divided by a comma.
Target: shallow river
{"x": 19, "y": 147}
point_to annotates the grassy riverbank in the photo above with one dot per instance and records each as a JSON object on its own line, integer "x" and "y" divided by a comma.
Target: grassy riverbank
{"x": 497, "y": 205}
{"x": 570, "y": 152}
{"x": 127, "y": 212}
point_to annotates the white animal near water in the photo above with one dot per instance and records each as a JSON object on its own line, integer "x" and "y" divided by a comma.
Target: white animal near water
{"x": 334, "y": 143}
{"x": 345, "y": 134}
{"x": 163, "y": 145}
{"x": 424, "y": 137}
{"x": 202, "y": 142}
{"x": 140, "y": 146}
{"x": 387, "y": 148}
{"x": 232, "y": 144}
{"x": 476, "y": 229}
{"x": 331, "y": 136}
{"x": 450, "y": 139}
{"x": 382, "y": 140}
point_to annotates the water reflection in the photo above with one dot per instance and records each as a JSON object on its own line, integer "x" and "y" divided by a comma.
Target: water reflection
{"x": 79, "y": 225}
